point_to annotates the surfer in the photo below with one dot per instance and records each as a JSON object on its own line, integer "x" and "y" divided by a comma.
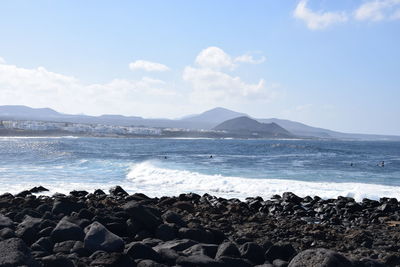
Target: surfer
{"x": 381, "y": 164}
{"x": 165, "y": 157}
{"x": 211, "y": 156}
{"x": 351, "y": 164}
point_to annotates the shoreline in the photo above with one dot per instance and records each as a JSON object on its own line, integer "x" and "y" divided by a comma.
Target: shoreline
{"x": 194, "y": 230}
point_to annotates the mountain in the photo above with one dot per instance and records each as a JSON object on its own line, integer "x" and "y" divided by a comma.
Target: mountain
{"x": 215, "y": 115}
{"x": 15, "y": 111}
{"x": 303, "y": 130}
{"x": 206, "y": 120}
{"x": 300, "y": 129}
{"x": 244, "y": 126}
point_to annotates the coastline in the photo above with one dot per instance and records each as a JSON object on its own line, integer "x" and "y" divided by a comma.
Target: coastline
{"x": 194, "y": 230}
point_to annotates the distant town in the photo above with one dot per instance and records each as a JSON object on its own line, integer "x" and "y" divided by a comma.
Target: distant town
{"x": 28, "y": 128}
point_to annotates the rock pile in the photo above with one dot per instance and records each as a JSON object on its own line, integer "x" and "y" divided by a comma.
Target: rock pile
{"x": 118, "y": 229}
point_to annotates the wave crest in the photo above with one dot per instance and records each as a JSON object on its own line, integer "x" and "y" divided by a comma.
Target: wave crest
{"x": 149, "y": 178}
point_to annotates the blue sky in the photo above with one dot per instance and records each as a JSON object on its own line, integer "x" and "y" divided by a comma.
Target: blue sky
{"x": 332, "y": 64}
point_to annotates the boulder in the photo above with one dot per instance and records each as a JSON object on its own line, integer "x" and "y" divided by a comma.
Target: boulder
{"x": 184, "y": 205}
{"x": 227, "y": 249}
{"x": 28, "y": 229}
{"x": 63, "y": 247}
{"x": 165, "y": 232}
{"x": 38, "y": 189}
{"x": 292, "y": 198}
{"x": 168, "y": 256}
{"x": 283, "y": 251}
{"x": 198, "y": 261}
{"x": 80, "y": 193}
{"x": 177, "y": 245}
{"x": 99, "y": 238}
{"x": 118, "y": 191}
{"x": 319, "y": 257}
{"x": 235, "y": 262}
{"x": 66, "y": 230}
{"x": 198, "y": 235}
{"x": 143, "y": 215}
{"x": 66, "y": 206}
{"x": 137, "y": 250}
{"x": 209, "y": 250}
{"x": 99, "y": 192}
{"x": 253, "y": 252}
{"x": 112, "y": 260}
{"x": 79, "y": 248}
{"x": 45, "y": 243}
{"x": 5, "y": 222}
{"x": 57, "y": 261}
{"x": 6, "y": 233}
{"x": 14, "y": 252}
{"x": 172, "y": 217}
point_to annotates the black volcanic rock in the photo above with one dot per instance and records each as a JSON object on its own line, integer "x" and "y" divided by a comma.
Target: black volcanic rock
{"x": 28, "y": 229}
{"x": 227, "y": 249}
{"x": 142, "y": 214}
{"x": 14, "y": 252}
{"x": 267, "y": 232}
{"x": 319, "y": 257}
{"x": 5, "y": 222}
{"x": 252, "y": 252}
{"x": 138, "y": 250}
{"x": 284, "y": 251}
{"x": 99, "y": 238}
{"x": 66, "y": 230}
{"x": 38, "y": 189}
{"x": 244, "y": 126}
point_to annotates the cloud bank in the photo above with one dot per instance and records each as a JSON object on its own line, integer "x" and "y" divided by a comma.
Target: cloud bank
{"x": 211, "y": 80}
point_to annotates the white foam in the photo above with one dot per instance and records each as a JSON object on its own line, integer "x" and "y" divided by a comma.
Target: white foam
{"x": 148, "y": 178}
{"x": 153, "y": 179}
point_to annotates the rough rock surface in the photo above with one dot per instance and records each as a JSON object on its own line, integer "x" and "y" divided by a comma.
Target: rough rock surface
{"x": 118, "y": 229}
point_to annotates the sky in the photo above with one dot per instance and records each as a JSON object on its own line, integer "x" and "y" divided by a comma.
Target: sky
{"x": 331, "y": 64}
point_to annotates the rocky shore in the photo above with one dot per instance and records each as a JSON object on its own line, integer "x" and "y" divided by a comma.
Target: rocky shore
{"x": 118, "y": 229}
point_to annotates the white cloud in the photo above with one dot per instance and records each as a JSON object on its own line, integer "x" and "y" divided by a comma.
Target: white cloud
{"x": 211, "y": 84}
{"x": 2, "y": 60}
{"x": 250, "y": 59}
{"x": 221, "y": 84}
{"x": 214, "y": 58}
{"x": 377, "y": 10}
{"x": 317, "y": 20}
{"x": 147, "y": 66}
{"x": 209, "y": 80}
{"x": 39, "y": 87}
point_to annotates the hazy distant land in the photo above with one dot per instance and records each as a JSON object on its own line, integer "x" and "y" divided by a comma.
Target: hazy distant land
{"x": 214, "y": 123}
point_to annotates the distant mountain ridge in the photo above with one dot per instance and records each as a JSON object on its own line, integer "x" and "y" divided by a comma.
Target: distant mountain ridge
{"x": 206, "y": 120}
{"x": 215, "y": 115}
{"x": 245, "y": 126}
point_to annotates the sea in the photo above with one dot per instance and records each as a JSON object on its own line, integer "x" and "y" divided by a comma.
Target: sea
{"x": 227, "y": 168}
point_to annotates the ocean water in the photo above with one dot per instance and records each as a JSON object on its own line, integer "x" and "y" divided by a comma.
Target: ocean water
{"x": 237, "y": 169}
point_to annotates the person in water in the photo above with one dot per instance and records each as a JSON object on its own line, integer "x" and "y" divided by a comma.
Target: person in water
{"x": 211, "y": 156}
{"x": 381, "y": 164}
